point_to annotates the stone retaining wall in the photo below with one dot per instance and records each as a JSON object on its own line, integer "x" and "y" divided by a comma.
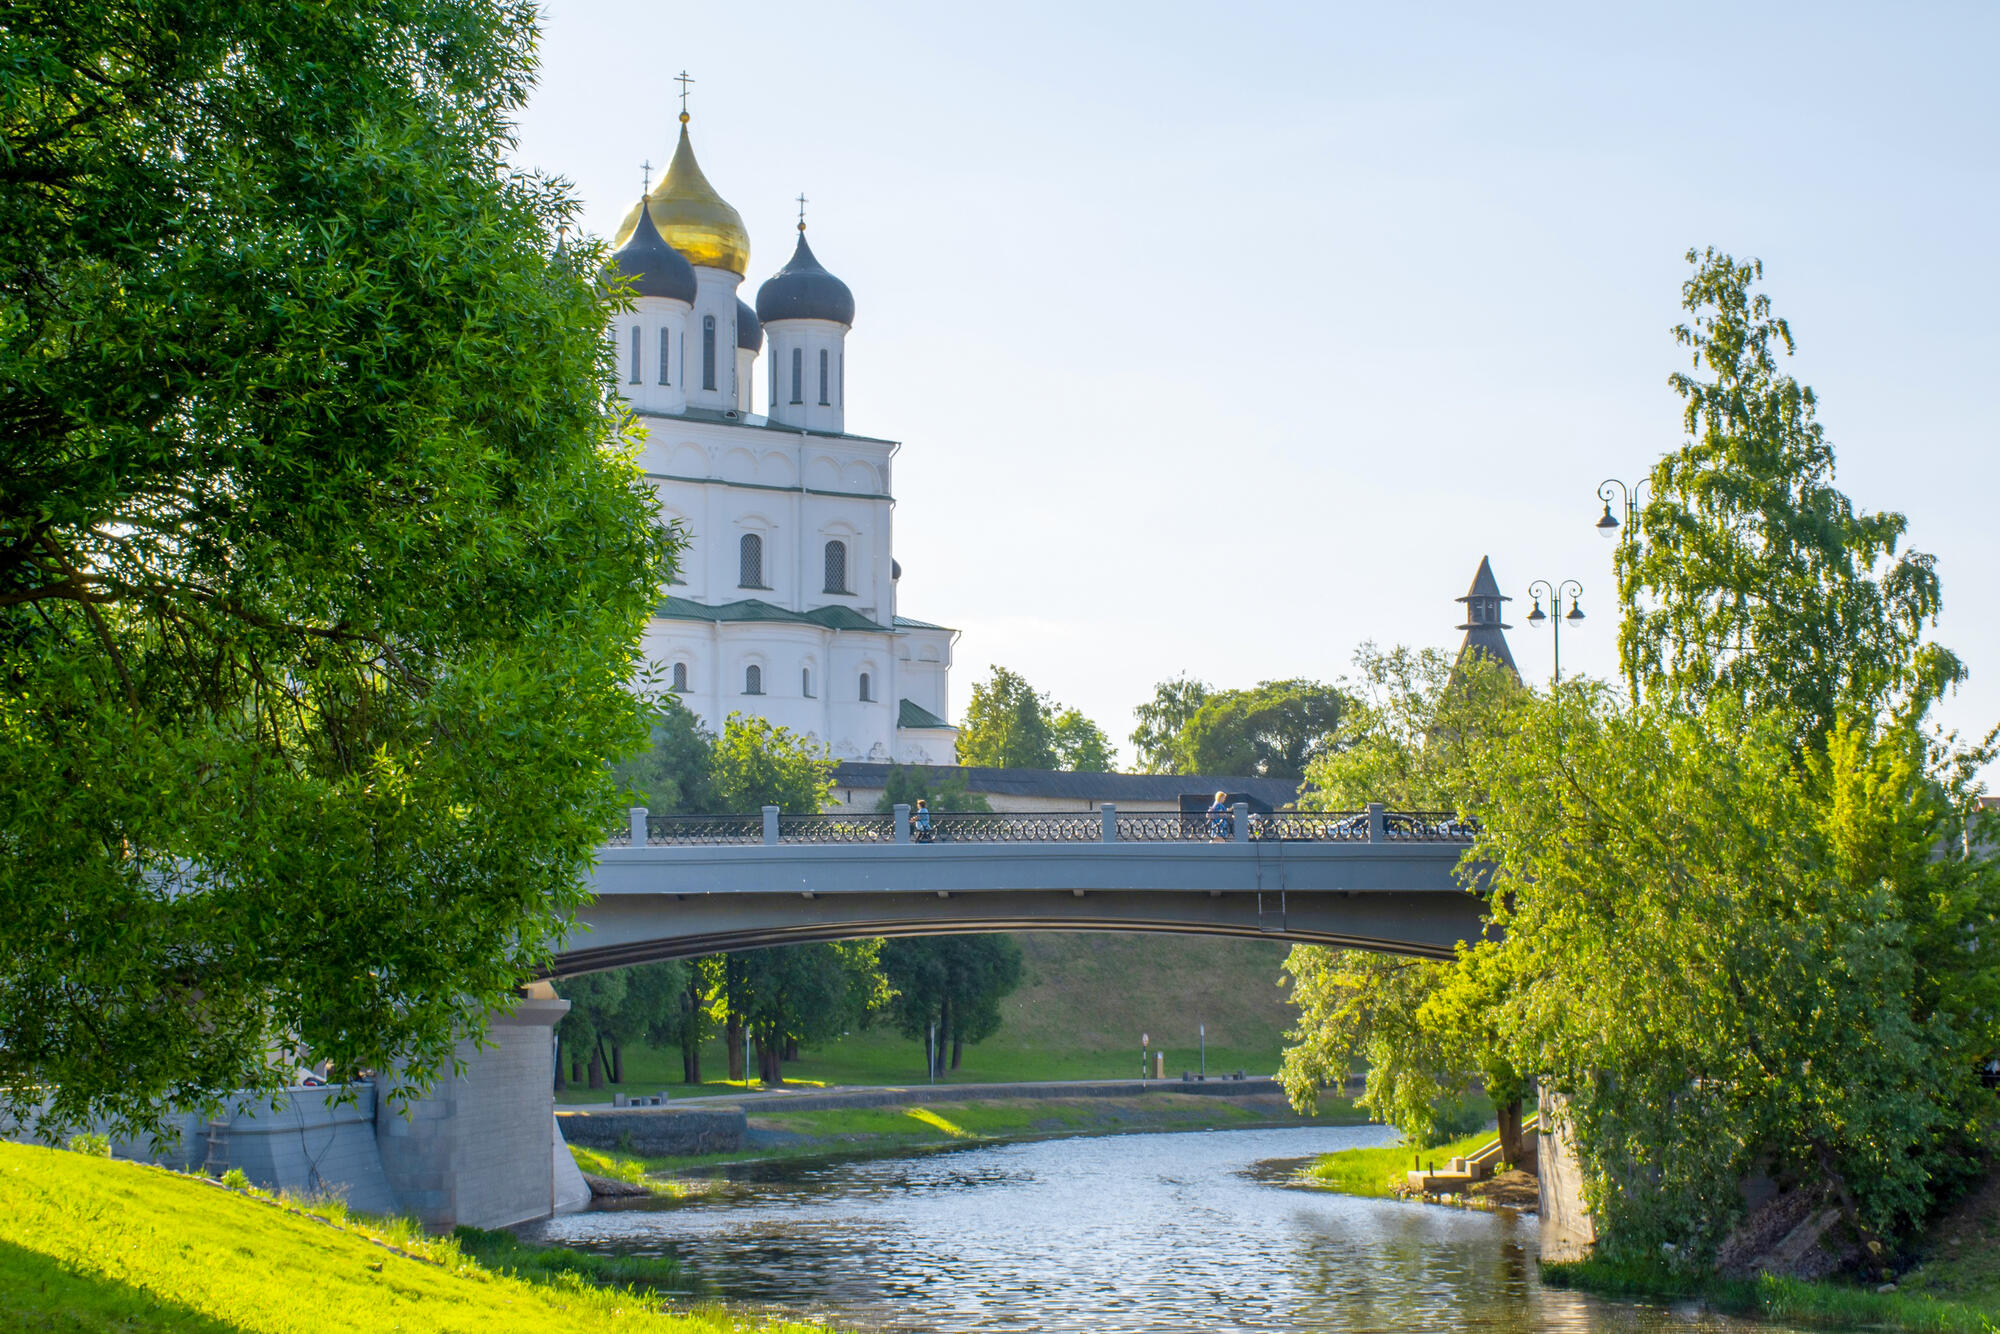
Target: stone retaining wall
{"x": 657, "y": 1132}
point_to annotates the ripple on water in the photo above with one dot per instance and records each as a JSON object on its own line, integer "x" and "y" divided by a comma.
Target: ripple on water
{"x": 1119, "y": 1233}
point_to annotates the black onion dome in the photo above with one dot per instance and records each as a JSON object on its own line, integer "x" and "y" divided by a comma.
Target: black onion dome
{"x": 749, "y": 333}
{"x": 802, "y": 290}
{"x": 655, "y": 268}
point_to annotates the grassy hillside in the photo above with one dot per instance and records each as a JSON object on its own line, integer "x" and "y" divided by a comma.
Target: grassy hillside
{"x": 88, "y": 1244}
{"x": 1085, "y": 998}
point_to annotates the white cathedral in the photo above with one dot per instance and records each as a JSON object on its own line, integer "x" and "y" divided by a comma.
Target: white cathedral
{"x": 784, "y": 605}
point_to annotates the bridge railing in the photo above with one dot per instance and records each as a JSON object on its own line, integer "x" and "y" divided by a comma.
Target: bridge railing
{"x": 1106, "y": 825}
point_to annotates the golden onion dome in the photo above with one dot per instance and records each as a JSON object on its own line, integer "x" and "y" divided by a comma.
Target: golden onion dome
{"x": 693, "y": 218}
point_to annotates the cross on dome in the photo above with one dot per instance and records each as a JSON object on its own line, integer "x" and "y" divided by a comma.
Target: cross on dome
{"x": 683, "y": 80}
{"x": 802, "y": 211}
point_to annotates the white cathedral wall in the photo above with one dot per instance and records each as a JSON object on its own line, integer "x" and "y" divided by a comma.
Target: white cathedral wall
{"x": 714, "y": 297}
{"x": 808, "y": 338}
{"x": 651, "y": 316}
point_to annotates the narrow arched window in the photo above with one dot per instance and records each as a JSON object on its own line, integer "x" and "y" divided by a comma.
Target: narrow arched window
{"x": 840, "y": 375}
{"x": 773, "y": 396}
{"x": 708, "y": 352}
{"x": 836, "y": 567}
{"x": 806, "y": 682}
{"x": 681, "y": 677}
{"x": 753, "y": 680}
{"x": 867, "y": 692}
{"x": 750, "y": 561}
{"x": 634, "y": 376}
{"x": 822, "y": 378}
{"x": 666, "y": 353}
{"x": 798, "y": 375}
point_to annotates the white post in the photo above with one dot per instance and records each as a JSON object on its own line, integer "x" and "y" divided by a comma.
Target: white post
{"x": 1378, "y": 829}
{"x": 770, "y": 826}
{"x": 638, "y": 817}
{"x": 902, "y": 809}
{"x": 1109, "y": 812}
{"x": 1241, "y": 816}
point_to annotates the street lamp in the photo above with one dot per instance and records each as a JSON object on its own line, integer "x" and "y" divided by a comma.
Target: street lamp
{"x": 1628, "y": 496}
{"x": 1537, "y": 618}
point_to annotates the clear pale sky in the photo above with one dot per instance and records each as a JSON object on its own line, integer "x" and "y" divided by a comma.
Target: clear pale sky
{"x": 1221, "y": 339}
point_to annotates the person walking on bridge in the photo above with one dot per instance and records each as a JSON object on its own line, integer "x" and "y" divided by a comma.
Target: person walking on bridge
{"x": 920, "y": 822}
{"x": 1218, "y": 818}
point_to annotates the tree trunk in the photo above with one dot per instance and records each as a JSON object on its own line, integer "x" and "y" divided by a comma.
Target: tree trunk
{"x": 768, "y": 1068}
{"x": 732, "y": 1037}
{"x": 791, "y": 1049}
{"x": 1513, "y": 1146}
{"x": 617, "y": 1063}
{"x": 957, "y": 1049}
{"x": 561, "y": 1083}
{"x": 575, "y": 1065}
{"x": 944, "y": 1036}
{"x": 596, "y": 1068}
{"x": 691, "y": 1035}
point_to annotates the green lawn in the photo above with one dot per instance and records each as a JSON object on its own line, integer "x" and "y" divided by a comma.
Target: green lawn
{"x": 1377, "y": 1171}
{"x": 88, "y": 1244}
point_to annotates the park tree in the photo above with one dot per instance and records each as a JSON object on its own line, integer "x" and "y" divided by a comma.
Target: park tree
{"x": 1011, "y": 725}
{"x": 1161, "y": 720}
{"x": 672, "y": 775}
{"x": 1274, "y": 729}
{"x": 318, "y": 599}
{"x": 1422, "y": 1028}
{"x": 596, "y": 1001}
{"x": 906, "y": 784}
{"x": 1752, "y": 577}
{"x": 756, "y": 763}
{"x": 950, "y": 986}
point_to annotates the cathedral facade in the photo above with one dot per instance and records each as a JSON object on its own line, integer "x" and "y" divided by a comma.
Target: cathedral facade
{"x": 784, "y": 605}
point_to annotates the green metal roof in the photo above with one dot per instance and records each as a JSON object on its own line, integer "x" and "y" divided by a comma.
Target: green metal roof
{"x": 912, "y": 623}
{"x": 913, "y": 715}
{"x": 756, "y": 609}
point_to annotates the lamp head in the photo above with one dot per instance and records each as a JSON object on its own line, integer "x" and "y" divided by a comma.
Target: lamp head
{"x": 1607, "y": 527}
{"x": 1538, "y": 617}
{"x": 1575, "y": 613}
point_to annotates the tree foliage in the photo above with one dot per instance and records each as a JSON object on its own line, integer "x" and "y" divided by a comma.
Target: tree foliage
{"x": 1274, "y": 729}
{"x": 1011, "y": 725}
{"x": 671, "y": 776}
{"x": 1747, "y": 914}
{"x": 1160, "y": 720}
{"x": 951, "y": 986}
{"x": 1723, "y": 952}
{"x": 1752, "y": 577}
{"x": 317, "y": 598}
{"x": 756, "y": 763}
{"x": 906, "y": 784}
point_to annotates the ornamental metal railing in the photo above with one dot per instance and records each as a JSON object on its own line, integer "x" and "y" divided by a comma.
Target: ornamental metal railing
{"x": 692, "y": 830}
{"x": 1014, "y": 827}
{"x": 1106, "y": 825}
{"x": 836, "y": 829}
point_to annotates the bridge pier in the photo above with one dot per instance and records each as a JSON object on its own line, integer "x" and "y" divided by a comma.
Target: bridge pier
{"x": 482, "y": 1148}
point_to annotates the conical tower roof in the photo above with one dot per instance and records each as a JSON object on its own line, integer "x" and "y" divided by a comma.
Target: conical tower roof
{"x": 1485, "y": 632}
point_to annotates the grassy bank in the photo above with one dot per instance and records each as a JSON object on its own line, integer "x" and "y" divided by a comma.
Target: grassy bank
{"x": 88, "y": 1244}
{"x": 1831, "y": 1304}
{"x": 1377, "y": 1171}
{"x": 1085, "y": 998}
{"x": 870, "y": 1130}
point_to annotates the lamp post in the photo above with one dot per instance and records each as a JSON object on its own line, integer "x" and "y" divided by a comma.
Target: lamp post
{"x": 1555, "y": 593}
{"x": 1628, "y": 497}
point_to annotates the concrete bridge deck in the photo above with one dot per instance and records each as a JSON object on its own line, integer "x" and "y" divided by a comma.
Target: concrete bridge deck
{"x": 1373, "y": 879}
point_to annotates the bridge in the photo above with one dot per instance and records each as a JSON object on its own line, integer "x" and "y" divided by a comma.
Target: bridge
{"x": 482, "y": 1146}
{"x": 675, "y": 886}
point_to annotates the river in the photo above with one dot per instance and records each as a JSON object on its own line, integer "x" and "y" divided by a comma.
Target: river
{"x": 1118, "y": 1233}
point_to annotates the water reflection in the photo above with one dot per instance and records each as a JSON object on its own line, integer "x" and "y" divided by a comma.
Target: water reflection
{"x": 1123, "y": 1233}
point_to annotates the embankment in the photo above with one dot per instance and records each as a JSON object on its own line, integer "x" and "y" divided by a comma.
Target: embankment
{"x": 885, "y": 1120}
{"x": 93, "y": 1244}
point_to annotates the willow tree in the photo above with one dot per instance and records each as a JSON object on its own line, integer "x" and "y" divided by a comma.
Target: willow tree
{"x": 323, "y": 551}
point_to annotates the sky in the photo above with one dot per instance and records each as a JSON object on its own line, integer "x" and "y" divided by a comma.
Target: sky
{"x": 1221, "y": 340}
